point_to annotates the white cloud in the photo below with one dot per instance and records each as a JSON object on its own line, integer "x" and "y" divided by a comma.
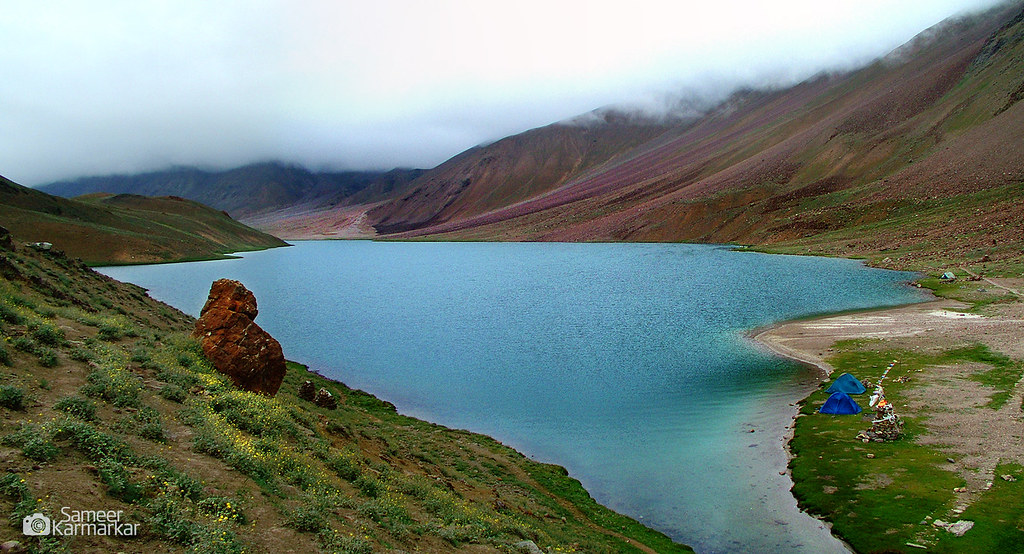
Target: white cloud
{"x": 125, "y": 86}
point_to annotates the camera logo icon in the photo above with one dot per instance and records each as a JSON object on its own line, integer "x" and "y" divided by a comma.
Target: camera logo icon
{"x": 35, "y": 525}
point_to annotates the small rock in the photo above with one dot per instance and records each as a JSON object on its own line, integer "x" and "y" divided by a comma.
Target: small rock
{"x": 914, "y": 545}
{"x": 869, "y": 456}
{"x": 988, "y": 485}
{"x": 960, "y": 527}
{"x": 751, "y": 430}
{"x": 307, "y": 391}
{"x": 939, "y": 523}
{"x": 1009, "y": 478}
{"x": 325, "y": 399}
{"x": 13, "y": 547}
{"x": 951, "y": 460}
{"x": 527, "y": 547}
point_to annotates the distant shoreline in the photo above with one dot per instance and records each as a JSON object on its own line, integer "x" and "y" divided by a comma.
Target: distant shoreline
{"x": 779, "y": 338}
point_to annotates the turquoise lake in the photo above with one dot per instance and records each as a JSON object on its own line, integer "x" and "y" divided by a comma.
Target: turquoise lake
{"x": 625, "y": 363}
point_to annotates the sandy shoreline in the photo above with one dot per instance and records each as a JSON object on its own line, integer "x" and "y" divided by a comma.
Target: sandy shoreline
{"x": 977, "y": 438}
{"x": 809, "y": 341}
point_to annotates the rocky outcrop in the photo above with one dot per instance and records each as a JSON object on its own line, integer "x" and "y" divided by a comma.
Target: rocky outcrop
{"x": 235, "y": 344}
{"x": 325, "y": 399}
{"x": 307, "y": 391}
{"x": 6, "y": 242}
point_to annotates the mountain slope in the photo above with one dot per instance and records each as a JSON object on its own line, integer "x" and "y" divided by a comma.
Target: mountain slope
{"x": 249, "y": 190}
{"x": 515, "y": 169}
{"x": 908, "y": 158}
{"x": 125, "y": 228}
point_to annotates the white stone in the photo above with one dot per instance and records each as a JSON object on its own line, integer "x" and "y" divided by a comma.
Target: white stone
{"x": 960, "y": 527}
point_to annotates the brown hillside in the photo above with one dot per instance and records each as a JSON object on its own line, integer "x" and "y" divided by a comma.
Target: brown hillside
{"x": 918, "y": 156}
{"x": 512, "y": 170}
{"x": 125, "y": 228}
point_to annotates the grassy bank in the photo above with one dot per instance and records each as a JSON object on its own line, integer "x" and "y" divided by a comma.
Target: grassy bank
{"x": 885, "y": 497}
{"x": 109, "y": 405}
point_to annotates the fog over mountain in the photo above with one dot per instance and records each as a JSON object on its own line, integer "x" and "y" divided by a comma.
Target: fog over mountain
{"x": 112, "y": 87}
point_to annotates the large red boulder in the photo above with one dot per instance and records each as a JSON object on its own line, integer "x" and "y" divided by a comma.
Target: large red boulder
{"x": 234, "y": 344}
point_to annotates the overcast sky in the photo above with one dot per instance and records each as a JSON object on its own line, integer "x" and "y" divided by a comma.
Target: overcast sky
{"x": 102, "y": 87}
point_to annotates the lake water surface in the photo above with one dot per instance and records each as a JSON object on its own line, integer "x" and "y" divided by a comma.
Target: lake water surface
{"x": 625, "y": 363}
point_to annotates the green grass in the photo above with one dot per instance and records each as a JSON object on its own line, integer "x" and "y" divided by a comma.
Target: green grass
{"x": 14, "y": 488}
{"x": 557, "y": 480}
{"x": 978, "y": 294}
{"x": 46, "y": 334}
{"x": 895, "y": 490}
{"x": 12, "y": 398}
{"x": 80, "y": 407}
{"x": 998, "y": 517}
{"x": 34, "y": 442}
{"x": 879, "y": 503}
{"x": 1003, "y": 376}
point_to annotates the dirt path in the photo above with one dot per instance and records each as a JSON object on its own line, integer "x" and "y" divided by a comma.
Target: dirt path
{"x": 1014, "y": 292}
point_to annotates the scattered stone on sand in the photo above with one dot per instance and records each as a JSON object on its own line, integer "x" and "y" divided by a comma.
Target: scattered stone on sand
{"x": 235, "y": 344}
{"x": 325, "y": 399}
{"x": 307, "y": 391}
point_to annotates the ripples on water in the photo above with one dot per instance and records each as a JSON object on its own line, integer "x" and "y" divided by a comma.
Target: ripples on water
{"x": 626, "y": 363}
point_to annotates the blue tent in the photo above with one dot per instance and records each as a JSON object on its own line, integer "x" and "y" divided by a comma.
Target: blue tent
{"x": 847, "y": 383}
{"x": 839, "y": 403}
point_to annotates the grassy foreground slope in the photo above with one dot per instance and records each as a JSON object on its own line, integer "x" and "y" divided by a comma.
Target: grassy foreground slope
{"x": 108, "y": 404}
{"x": 125, "y": 228}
